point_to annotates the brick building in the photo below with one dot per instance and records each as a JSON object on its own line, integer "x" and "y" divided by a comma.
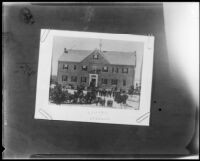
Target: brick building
{"x": 106, "y": 69}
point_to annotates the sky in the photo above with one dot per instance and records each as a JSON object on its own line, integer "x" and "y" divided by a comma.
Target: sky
{"x": 59, "y": 43}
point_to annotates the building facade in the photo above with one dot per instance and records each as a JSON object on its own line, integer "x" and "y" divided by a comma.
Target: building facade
{"x": 105, "y": 69}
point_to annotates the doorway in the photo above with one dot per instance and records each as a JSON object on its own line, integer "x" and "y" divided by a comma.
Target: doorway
{"x": 93, "y": 79}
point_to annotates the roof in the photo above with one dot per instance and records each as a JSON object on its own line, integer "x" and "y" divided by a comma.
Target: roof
{"x": 120, "y": 58}
{"x": 74, "y": 55}
{"x": 113, "y": 57}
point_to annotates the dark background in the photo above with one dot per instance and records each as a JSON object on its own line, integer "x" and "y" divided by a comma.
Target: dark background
{"x": 172, "y": 120}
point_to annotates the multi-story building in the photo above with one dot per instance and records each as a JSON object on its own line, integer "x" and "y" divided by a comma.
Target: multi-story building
{"x": 106, "y": 69}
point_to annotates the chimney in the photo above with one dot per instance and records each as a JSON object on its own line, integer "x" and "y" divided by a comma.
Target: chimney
{"x": 65, "y": 50}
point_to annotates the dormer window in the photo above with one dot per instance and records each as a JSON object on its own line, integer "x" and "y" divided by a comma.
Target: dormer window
{"x": 95, "y": 56}
{"x": 65, "y": 66}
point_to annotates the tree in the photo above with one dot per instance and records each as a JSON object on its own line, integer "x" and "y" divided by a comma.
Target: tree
{"x": 124, "y": 98}
{"x": 56, "y": 94}
{"x": 121, "y": 98}
{"x": 131, "y": 90}
{"x": 118, "y": 97}
{"x": 91, "y": 95}
{"x": 92, "y": 92}
{"x": 88, "y": 97}
{"x": 79, "y": 92}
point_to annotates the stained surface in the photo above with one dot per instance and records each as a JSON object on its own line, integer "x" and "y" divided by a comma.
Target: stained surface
{"x": 172, "y": 112}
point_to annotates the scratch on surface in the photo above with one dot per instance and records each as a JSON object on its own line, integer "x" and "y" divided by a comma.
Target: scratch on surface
{"x": 44, "y": 35}
{"x": 88, "y": 16}
{"x": 45, "y": 114}
{"x": 143, "y": 117}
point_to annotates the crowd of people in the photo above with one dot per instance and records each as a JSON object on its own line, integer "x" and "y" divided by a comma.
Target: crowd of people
{"x": 106, "y": 93}
{"x": 89, "y": 95}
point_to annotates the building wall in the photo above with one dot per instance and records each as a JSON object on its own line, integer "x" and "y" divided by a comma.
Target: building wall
{"x": 100, "y": 63}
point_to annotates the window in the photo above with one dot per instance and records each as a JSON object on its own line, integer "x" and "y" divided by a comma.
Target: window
{"x": 84, "y": 67}
{"x": 65, "y": 66}
{"x": 74, "y": 67}
{"x": 95, "y": 56}
{"x": 116, "y": 70}
{"x": 64, "y": 78}
{"x": 124, "y": 82}
{"x": 104, "y": 81}
{"x": 83, "y": 79}
{"x": 124, "y": 70}
{"x": 113, "y": 69}
{"x": 114, "y": 81}
{"x": 94, "y": 68}
{"x": 105, "y": 69}
{"x": 74, "y": 79}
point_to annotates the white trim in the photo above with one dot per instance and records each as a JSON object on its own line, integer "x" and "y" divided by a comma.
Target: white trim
{"x": 95, "y": 77}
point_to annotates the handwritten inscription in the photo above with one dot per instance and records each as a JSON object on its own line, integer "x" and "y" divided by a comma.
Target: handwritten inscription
{"x": 97, "y": 112}
{"x": 99, "y": 118}
{"x": 98, "y": 115}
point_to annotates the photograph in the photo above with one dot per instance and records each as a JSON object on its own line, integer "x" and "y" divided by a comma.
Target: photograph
{"x": 94, "y": 77}
{"x": 100, "y": 80}
{"x": 96, "y": 72}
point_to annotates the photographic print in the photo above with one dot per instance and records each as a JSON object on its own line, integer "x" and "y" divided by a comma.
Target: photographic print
{"x": 96, "y": 72}
{"x": 96, "y": 75}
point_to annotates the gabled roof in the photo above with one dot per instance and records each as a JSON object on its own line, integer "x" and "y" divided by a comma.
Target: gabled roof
{"x": 75, "y": 55}
{"x": 113, "y": 57}
{"x": 120, "y": 58}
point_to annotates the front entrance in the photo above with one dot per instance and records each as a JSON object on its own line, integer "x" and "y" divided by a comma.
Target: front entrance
{"x": 93, "y": 79}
